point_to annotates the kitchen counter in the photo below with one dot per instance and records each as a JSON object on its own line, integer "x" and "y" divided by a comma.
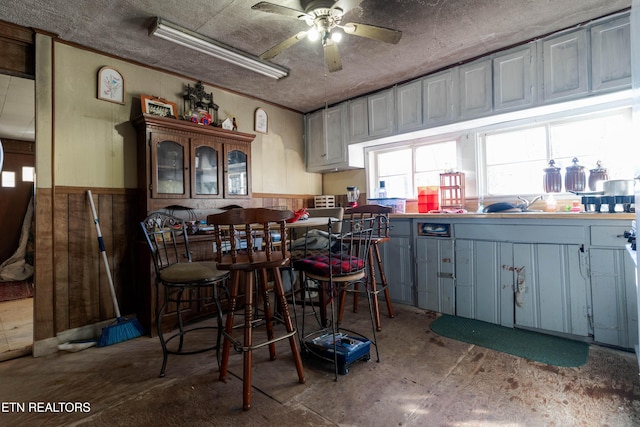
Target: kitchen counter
{"x": 522, "y": 216}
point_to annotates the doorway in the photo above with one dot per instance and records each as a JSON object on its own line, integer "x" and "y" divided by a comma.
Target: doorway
{"x": 16, "y": 248}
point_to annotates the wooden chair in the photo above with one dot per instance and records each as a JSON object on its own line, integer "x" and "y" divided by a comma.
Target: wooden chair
{"x": 236, "y": 232}
{"x": 180, "y": 279}
{"x": 380, "y": 235}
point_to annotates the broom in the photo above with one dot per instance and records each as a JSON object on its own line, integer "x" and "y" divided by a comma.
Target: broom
{"x": 123, "y": 329}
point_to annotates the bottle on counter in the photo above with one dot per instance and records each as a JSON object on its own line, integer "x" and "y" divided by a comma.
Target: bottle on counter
{"x": 382, "y": 191}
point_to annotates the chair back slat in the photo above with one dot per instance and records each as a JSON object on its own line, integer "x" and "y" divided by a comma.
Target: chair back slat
{"x": 379, "y": 212}
{"x": 166, "y": 236}
{"x": 244, "y": 235}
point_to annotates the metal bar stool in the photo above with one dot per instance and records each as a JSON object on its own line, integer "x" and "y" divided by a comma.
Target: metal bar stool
{"x": 177, "y": 275}
{"x": 380, "y": 235}
{"x": 236, "y": 231}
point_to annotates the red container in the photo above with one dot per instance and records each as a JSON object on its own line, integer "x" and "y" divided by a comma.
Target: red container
{"x": 428, "y": 198}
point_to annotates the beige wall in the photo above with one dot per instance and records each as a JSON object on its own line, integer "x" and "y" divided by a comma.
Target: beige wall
{"x": 335, "y": 183}
{"x": 94, "y": 143}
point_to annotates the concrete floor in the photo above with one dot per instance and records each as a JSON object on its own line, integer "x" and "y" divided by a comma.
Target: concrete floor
{"x": 422, "y": 379}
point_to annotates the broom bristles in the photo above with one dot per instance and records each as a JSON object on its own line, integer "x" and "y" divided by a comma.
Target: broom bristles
{"x": 123, "y": 330}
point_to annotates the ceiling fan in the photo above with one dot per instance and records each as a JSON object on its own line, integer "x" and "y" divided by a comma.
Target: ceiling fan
{"x": 324, "y": 16}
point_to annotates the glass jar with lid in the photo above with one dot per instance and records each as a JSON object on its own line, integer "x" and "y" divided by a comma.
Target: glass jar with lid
{"x": 552, "y": 179}
{"x": 575, "y": 178}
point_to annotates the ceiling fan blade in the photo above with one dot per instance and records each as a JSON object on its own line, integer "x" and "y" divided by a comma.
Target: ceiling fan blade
{"x": 346, "y": 5}
{"x": 284, "y": 45}
{"x": 332, "y": 57}
{"x": 372, "y": 32}
{"x": 267, "y": 7}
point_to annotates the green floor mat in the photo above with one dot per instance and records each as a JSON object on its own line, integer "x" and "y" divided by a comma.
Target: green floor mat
{"x": 518, "y": 342}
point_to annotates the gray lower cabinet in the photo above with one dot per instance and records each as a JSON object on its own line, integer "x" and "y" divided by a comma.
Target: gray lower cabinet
{"x": 479, "y": 282}
{"x": 537, "y": 286}
{"x": 613, "y": 288}
{"x": 435, "y": 274}
{"x": 397, "y": 258}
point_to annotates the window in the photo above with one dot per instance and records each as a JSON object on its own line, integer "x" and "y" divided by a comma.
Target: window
{"x": 515, "y": 159}
{"x": 403, "y": 169}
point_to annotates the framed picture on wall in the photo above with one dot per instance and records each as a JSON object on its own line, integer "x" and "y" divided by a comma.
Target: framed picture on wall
{"x": 261, "y": 121}
{"x": 110, "y": 85}
{"x": 158, "y": 106}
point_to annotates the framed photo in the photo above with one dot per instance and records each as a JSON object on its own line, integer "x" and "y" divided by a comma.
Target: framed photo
{"x": 261, "y": 121}
{"x": 110, "y": 85}
{"x": 158, "y": 106}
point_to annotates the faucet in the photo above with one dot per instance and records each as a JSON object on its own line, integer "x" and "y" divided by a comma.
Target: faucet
{"x": 526, "y": 203}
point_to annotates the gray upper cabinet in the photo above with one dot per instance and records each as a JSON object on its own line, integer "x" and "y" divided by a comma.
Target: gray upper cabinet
{"x": 610, "y": 55}
{"x": 326, "y": 142}
{"x": 514, "y": 78}
{"x": 358, "y": 119}
{"x": 476, "y": 95}
{"x": 409, "y": 106}
{"x": 439, "y": 98}
{"x": 565, "y": 66}
{"x": 381, "y": 113}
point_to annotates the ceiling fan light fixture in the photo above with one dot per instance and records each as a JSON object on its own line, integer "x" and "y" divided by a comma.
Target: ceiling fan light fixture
{"x": 192, "y": 40}
{"x": 336, "y": 36}
{"x": 313, "y": 34}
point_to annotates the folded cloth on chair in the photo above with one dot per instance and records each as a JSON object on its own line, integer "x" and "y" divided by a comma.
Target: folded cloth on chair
{"x": 336, "y": 264}
{"x": 314, "y": 239}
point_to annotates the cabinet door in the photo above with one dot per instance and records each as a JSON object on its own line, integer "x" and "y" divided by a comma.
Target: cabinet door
{"x": 513, "y": 78}
{"x": 439, "y": 101}
{"x": 480, "y": 280}
{"x": 358, "y": 113}
{"x": 611, "y": 55}
{"x": 476, "y": 96}
{"x": 564, "y": 70}
{"x": 409, "y": 106}
{"x": 169, "y": 166}
{"x": 551, "y": 288}
{"x": 315, "y": 143}
{"x": 237, "y": 158}
{"x": 396, "y": 254}
{"x": 435, "y": 274}
{"x": 381, "y": 112}
{"x": 615, "y": 315}
{"x": 335, "y": 128}
{"x": 206, "y": 169}
{"x": 397, "y": 259}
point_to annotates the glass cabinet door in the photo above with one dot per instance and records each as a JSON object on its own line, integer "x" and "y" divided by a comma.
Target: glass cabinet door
{"x": 170, "y": 160}
{"x": 207, "y": 181}
{"x": 237, "y": 171}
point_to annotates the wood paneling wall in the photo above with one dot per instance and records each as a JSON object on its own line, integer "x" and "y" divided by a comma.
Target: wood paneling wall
{"x": 67, "y": 252}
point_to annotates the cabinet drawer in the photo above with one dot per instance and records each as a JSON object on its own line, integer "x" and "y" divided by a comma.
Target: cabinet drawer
{"x": 608, "y": 235}
{"x": 400, "y": 227}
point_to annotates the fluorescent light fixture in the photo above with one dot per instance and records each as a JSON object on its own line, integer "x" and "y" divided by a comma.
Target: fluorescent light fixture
{"x": 180, "y": 35}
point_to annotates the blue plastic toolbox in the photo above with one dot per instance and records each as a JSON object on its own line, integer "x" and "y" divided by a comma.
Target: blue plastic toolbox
{"x": 349, "y": 349}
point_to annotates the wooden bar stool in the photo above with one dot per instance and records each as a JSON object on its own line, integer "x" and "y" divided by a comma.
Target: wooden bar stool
{"x": 380, "y": 235}
{"x": 244, "y": 247}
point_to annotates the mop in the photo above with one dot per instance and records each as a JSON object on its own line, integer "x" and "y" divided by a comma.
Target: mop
{"x": 123, "y": 329}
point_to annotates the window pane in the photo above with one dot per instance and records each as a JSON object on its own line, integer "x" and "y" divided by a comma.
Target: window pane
{"x": 436, "y": 157}
{"x": 8, "y": 179}
{"x": 28, "y": 173}
{"x": 516, "y": 146}
{"x": 394, "y": 162}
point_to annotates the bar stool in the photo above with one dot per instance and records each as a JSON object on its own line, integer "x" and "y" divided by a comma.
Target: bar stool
{"x": 380, "y": 235}
{"x": 180, "y": 280}
{"x": 236, "y": 232}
